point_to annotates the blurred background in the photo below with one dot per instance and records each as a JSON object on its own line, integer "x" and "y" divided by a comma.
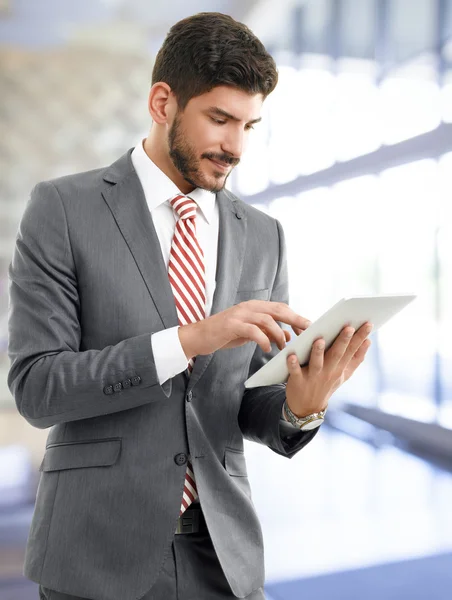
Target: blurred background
{"x": 354, "y": 157}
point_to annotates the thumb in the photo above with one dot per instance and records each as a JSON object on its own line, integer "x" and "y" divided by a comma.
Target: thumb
{"x": 293, "y": 364}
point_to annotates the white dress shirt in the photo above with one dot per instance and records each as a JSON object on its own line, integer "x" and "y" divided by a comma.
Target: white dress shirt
{"x": 169, "y": 356}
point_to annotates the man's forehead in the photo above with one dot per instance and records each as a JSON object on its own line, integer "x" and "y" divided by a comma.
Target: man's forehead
{"x": 234, "y": 103}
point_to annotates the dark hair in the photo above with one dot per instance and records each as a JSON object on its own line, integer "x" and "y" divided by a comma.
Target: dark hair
{"x": 211, "y": 49}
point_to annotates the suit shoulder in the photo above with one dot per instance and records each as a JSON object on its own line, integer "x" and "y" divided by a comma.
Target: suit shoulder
{"x": 76, "y": 182}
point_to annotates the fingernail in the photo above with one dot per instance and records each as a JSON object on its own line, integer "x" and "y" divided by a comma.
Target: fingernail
{"x": 293, "y": 360}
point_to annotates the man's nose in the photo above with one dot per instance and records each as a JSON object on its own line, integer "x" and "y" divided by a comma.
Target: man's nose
{"x": 233, "y": 145}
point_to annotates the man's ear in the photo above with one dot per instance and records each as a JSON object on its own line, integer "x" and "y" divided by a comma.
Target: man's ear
{"x": 160, "y": 103}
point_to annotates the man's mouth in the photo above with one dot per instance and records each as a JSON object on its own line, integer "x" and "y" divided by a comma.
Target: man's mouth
{"x": 220, "y": 165}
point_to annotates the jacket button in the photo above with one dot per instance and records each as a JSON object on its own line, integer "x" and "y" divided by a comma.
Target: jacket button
{"x": 136, "y": 380}
{"x": 180, "y": 459}
{"x": 189, "y": 396}
{"x": 126, "y": 383}
{"x": 117, "y": 387}
{"x": 108, "y": 389}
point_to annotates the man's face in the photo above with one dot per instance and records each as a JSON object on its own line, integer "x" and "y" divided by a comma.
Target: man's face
{"x": 207, "y": 139}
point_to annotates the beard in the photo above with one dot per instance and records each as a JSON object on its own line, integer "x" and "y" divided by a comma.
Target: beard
{"x": 184, "y": 158}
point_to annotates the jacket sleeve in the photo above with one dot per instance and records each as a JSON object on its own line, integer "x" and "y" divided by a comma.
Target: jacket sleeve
{"x": 261, "y": 407}
{"x": 51, "y": 380}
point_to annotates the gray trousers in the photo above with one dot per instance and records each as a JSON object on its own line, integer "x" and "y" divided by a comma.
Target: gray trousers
{"x": 191, "y": 572}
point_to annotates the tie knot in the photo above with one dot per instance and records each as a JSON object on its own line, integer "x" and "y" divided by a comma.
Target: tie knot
{"x": 185, "y": 207}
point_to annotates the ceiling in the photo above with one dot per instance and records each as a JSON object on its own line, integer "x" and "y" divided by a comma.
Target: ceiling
{"x": 50, "y": 23}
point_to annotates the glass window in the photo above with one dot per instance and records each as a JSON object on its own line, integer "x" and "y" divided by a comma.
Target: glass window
{"x": 444, "y": 325}
{"x": 287, "y": 135}
{"x": 358, "y": 28}
{"x": 412, "y": 27}
{"x": 313, "y": 140}
{"x": 409, "y": 107}
{"x": 315, "y": 17}
{"x": 409, "y": 201}
{"x": 252, "y": 174}
{"x": 356, "y": 114}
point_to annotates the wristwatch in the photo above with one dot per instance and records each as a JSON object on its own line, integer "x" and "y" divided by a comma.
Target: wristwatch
{"x": 304, "y": 423}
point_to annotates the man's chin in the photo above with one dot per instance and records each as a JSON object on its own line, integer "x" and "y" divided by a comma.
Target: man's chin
{"x": 217, "y": 186}
{"x": 211, "y": 184}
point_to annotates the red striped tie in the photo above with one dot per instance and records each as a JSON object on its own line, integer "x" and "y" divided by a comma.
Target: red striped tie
{"x": 186, "y": 273}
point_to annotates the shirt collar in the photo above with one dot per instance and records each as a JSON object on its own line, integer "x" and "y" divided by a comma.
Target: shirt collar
{"x": 158, "y": 187}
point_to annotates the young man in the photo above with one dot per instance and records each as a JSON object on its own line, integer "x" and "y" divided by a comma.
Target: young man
{"x": 135, "y": 291}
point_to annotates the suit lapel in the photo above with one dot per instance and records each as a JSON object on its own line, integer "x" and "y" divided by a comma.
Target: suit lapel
{"x": 231, "y": 251}
{"x": 128, "y": 205}
{"x": 129, "y": 208}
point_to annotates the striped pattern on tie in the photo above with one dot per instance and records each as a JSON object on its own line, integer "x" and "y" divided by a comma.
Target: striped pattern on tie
{"x": 186, "y": 274}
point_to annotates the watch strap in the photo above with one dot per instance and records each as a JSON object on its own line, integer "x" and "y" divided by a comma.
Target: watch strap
{"x": 300, "y": 422}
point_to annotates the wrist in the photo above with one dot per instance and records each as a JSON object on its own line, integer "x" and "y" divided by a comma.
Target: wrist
{"x": 187, "y": 339}
{"x": 300, "y": 413}
{"x": 306, "y": 422}
{"x": 306, "y": 409}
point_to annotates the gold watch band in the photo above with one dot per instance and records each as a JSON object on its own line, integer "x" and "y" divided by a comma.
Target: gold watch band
{"x": 303, "y": 421}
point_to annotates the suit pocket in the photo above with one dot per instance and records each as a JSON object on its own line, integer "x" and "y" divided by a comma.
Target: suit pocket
{"x": 244, "y": 295}
{"x": 76, "y": 455}
{"x": 234, "y": 461}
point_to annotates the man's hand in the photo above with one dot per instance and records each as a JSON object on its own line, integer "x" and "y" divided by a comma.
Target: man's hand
{"x": 309, "y": 388}
{"x": 250, "y": 321}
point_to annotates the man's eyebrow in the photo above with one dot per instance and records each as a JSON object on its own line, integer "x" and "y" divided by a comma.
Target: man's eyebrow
{"x": 222, "y": 113}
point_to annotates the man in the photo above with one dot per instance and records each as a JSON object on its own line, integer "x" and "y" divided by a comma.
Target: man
{"x": 135, "y": 291}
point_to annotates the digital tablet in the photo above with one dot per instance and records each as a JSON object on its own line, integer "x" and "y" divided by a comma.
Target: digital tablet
{"x": 353, "y": 311}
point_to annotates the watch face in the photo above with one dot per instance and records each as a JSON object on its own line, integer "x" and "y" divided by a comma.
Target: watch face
{"x": 311, "y": 424}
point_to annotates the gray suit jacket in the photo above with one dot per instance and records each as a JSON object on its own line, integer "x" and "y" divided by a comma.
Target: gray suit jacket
{"x": 88, "y": 287}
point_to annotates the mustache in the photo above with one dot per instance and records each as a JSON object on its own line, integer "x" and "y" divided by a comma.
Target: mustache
{"x": 222, "y": 158}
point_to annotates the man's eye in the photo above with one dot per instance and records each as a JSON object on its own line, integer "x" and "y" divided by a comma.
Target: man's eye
{"x": 248, "y": 127}
{"x": 218, "y": 121}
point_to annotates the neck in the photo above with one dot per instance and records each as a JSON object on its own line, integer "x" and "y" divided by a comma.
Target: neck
{"x": 161, "y": 158}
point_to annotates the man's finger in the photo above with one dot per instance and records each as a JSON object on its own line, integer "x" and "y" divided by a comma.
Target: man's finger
{"x": 357, "y": 359}
{"x": 304, "y": 323}
{"x": 337, "y": 351}
{"x": 361, "y": 352}
{"x": 280, "y": 311}
{"x": 356, "y": 343}
{"x": 299, "y": 330}
{"x": 317, "y": 357}
{"x": 294, "y": 365}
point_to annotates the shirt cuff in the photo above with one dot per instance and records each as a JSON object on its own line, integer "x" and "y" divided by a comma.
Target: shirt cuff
{"x": 169, "y": 356}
